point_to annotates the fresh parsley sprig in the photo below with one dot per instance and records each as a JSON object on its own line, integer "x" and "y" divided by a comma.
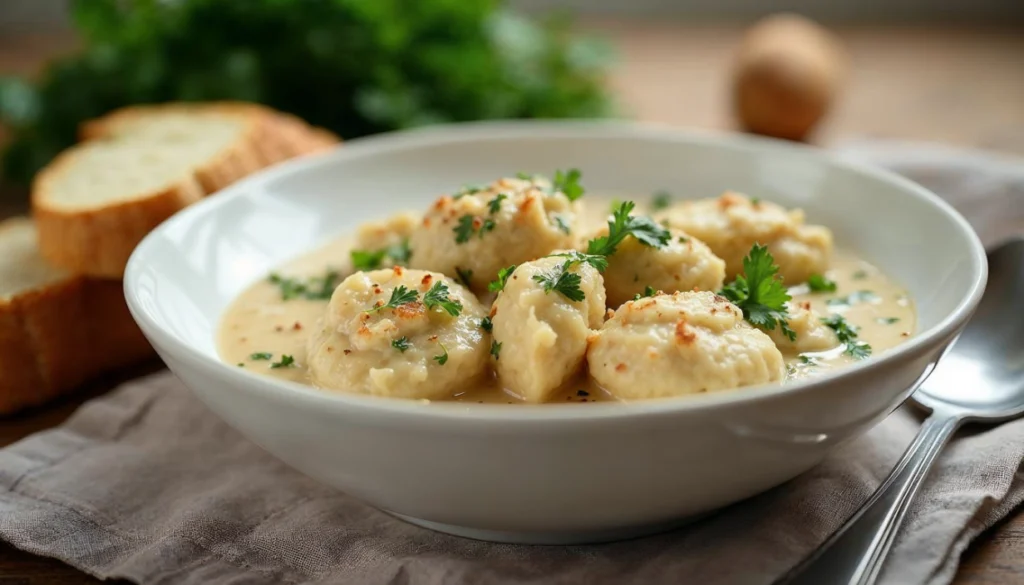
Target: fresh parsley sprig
{"x": 442, "y": 359}
{"x": 568, "y": 182}
{"x": 401, "y": 344}
{"x": 470, "y": 225}
{"x": 437, "y": 296}
{"x": 622, "y": 224}
{"x": 399, "y": 296}
{"x": 503, "y": 274}
{"x": 759, "y": 292}
{"x": 287, "y": 361}
{"x": 494, "y": 205}
{"x": 848, "y": 335}
{"x": 561, "y": 280}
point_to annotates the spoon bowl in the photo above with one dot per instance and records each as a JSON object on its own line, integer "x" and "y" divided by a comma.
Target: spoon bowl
{"x": 982, "y": 377}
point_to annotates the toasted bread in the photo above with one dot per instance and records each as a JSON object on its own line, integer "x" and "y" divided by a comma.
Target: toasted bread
{"x": 140, "y": 165}
{"x": 57, "y": 329}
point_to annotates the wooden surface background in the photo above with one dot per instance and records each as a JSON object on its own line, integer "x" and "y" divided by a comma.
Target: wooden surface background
{"x": 955, "y": 85}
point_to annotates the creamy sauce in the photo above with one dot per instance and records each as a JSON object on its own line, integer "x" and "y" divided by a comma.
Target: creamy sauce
{"x": 260, "y": 322}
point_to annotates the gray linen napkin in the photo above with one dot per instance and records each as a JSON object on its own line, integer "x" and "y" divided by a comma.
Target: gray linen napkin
{"x": 145, "y": 484}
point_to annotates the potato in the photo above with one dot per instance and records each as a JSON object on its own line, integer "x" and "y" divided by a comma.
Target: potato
{"x": 787, "y": 73}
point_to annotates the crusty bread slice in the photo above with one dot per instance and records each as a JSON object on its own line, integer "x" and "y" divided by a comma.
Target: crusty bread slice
{"x": 139, "y": 165}
{"x": 57, "y": 330}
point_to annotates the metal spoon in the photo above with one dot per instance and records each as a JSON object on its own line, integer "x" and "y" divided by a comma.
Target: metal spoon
{"x": 981, "y": 379}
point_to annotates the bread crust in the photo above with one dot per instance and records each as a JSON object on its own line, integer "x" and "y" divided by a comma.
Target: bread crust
{"x": 97, "y": 242}
{"x": 59, "y": 334}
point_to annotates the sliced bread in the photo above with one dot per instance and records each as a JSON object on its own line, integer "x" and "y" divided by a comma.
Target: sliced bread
{"x": 57, "y": 330}
{"x": 140, "y": 165}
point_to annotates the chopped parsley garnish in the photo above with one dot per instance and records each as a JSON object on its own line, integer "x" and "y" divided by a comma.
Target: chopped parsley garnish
{"x": 648, "y": 292}
{"x": 400, "y": 252}
{"x": 367, "y": 259}
{"x": 561, "y": 223}
{"x": 495, "y": 348}
{"x": 469, "y": 225}
{"x": 287, "y": 361}
{"x": 442, "y": 359}
{"x": 819, "y": 283}
{"x": 467, "y": 190}
{"x": 503, "y": 274}
{"x": 241, "y": 365}
{"x": 524, "y": 176}
{"x": 316, "y": 288}
{"x": 437, "y": 296}
{"x": 759, "y": 292}
{"x": 399, "y": 296}
{"x": 567, "y": 283}
{"x": 661, "y": 200}
{"x": 494, "y": 205}
{"x": 887, "y": 320}
{"x": 860, "y": 275}
{"x": 755, "y": 200}
{"x": 683, "y": 239}
{"x": 465, "y": 276}
{"x": 809, "y": 360}
{"x": 854, "y": 298}
{"x": 401, "y": 344}
{"x": 598, "y": 262}
{"x": 486, "y": 324}
{"x": 847, "y": 335}
{"x": 568, "y": 182}
{"x": 465, "y": 229}
{"x": 374, "y": 259}
{"x": 261, "y": 355}
{"x": 645, "y": 230}
{"x": 560, "y": 279}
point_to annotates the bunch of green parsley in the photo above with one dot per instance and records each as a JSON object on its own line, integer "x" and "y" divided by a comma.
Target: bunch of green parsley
{"x": 356, "y": 67}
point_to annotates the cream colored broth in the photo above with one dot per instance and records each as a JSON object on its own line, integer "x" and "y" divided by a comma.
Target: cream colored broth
{"x": 259, "y": 321}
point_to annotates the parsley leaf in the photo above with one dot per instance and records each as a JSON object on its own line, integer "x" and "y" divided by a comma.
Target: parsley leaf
{"x": 661, "y": 200}
{"x": 495, "y": 348}
{"x": 486, "y": 324}
{"x": 848, "y": 335}
{"x": 819, "y": 283}
{"x": 503, "y": 274}
{"x": 494, "y": 205}
{"x": 374, "y": 259}
{"x": 400, "y": 252}
{"x": 316, "y": 288}
{"x": 759, "y": 292}
{"x": 524, "y": 176}
{"x": 401, "y": 344}
{"x": 287, "y": 361}
{"x": 648, "y": 292}
{"x": 466, "y": 190}
{"x": 568, "y": 182}
{"x": 887, "y": 320}
{"x": 399, "y": 296}
{"x": 464, "y": 229}
{"x": 645, "y": 230}
{"x": 465, "y": 276}
{"x": 488, "y": 226}
{"x": 261, "y": 355}
{"x": 443, "y": 358}
{"x": 560, "y": 279}
{"x": 367, "y": 259}
{"x": 854, "y": 298}
{"x": 598, "y": 262}
{"x": 437, "y": 296}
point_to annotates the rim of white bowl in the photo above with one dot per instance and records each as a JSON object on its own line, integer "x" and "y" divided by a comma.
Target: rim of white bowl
{"x": 514, "y": 129}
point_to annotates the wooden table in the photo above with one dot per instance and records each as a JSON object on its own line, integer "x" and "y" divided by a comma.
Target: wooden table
{"x": 962, "y": 86}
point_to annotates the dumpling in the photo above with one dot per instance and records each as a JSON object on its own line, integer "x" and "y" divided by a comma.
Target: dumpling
{"x": 683, "y": 343}
{"x": 543, "y": 333}
{"x": 811, "y": 333}
{"x": 383, "y": 244}
{"x": 732, "y": 223}
{"x": 392, "y": 332}
{"x": 684, "y": 263}
{"x": 476, "y": 233}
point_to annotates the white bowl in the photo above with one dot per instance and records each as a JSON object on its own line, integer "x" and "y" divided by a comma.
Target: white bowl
{"x": 556, "y": 473}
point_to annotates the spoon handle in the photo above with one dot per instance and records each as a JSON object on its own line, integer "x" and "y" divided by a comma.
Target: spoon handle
{"x": 854, "y": 555}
